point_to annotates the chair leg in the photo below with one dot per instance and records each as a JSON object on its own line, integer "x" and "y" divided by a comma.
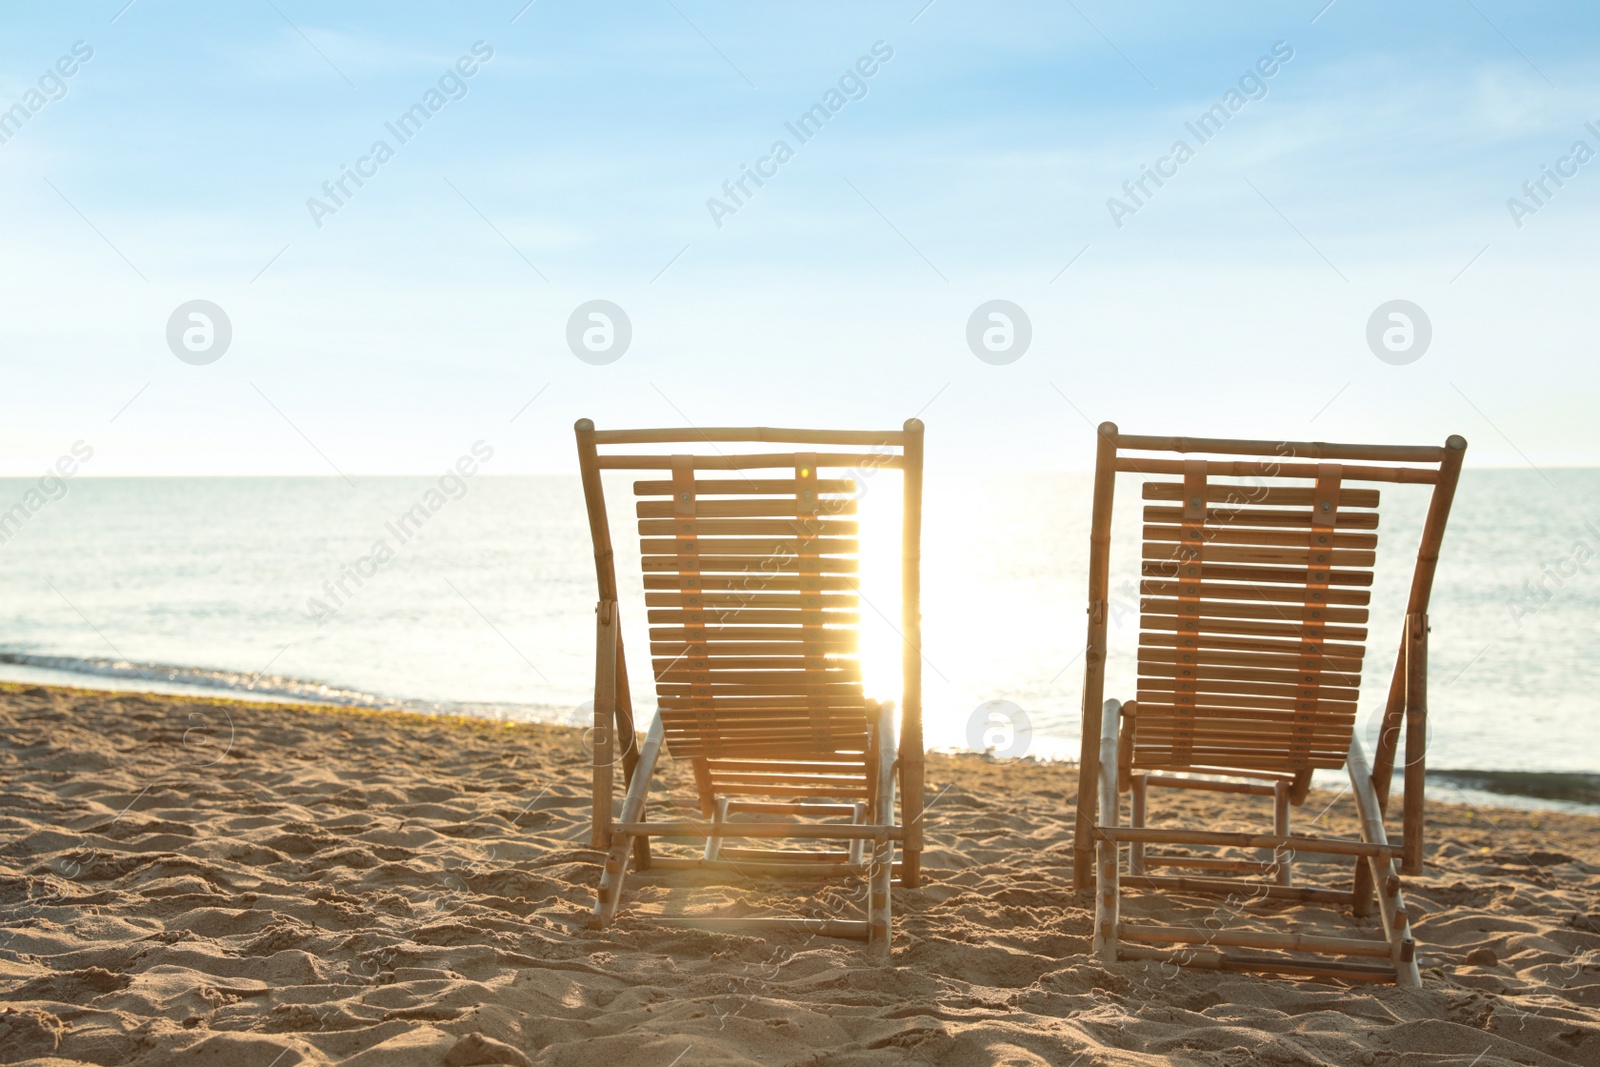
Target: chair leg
{"x": 719, "y": 815}
{"x": 1284, "y": 858}
{"x": 603, "y": 735}
{"x": 1391, "y": 903}
{"x": 858, "y": 847}
{"x": 880, "y": 919}
{"x": 1141, "y": 793}
{"x": 616, "y": 869}
{"x": 1107, "y": 898}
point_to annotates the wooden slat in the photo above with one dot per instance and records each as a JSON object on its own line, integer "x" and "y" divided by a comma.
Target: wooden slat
{"x": 756, "y": 789}
{"x": 1270, "y": 517}
{"x": 832, "y": 638}
{"x": 1237, "y": 469}
{"x": 1250, "y": 644}
{"x": 695, "y": 749}
{"x": 1251, "y": 742}
{"x": 841, "y": 664}
{"x": 1176, "y": 741}
{"x": 1216, "y": 688}
{"x": 758, "y": 778}
{"x": 754, "y": 566}
{"x": 784, "y": 716}
{"x": 1285, "y": 660}
{"x": 760, "y": 714}
{"x": 758, "y": 582}
{"x": 835, "y": 667}
{"x": 1270, "y": 593}
{"x": 750, "y": 461}
{"x": 1231, "y": 572}
{"x": 748, "y": 509}
{"x": 797, "y": 743}
{"x": 1254, "y": 495}
{"x": 1209, "y": 785}
{"x": 822, "y": 735}
{"x": 796, "y": 616}
{"x": 1209, "y": 552}
{"x": 809, "y": 526}
{"x": 801, "y": 869}
{"x": 1252, "y": 737}
{"x": 1157, "y": 705}
{"x": 1155, "y": 669}
{"x": 1224, "y": 745}
{"x": 1254, "y": 741}
{"x": 1253, "y": 774}
{"x": 1218, "y": 708}
{"x": 839, "y": 765}
{"x": 775, "y": 718}
{"x": 1300, "y": 631}
{"x": 838, "y": 691}
{"x": 749, "y": 546}
{"x": 712, "y": 748}
{"x": 1233, "y": 762}
{"x": 720, "y": 677}
{"x": 752, "y": 434}
{"x": 819, "y": 601}
{"x": 1208, "y": 863}
{"x": 1315, "y": 759}
{"x": 757, "y": 681}
{"x": 1294, "y": 538}
{"x": 715, "y": 644}
{"x": 1305, "y": 614}
{"x": 1282, "y": 450}
{"x": 792, "y": 745}
{"x": 772, "y": 807}
{"x": 772, "y": 722}
{"x": 789, "y": 487}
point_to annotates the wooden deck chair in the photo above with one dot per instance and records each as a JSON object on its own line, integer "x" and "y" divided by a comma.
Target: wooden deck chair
{"x": 1252, "y": 633}
{"x": 750, "y": 577}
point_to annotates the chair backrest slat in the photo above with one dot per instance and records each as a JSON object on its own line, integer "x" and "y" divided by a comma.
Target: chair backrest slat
{"x": 754, "y": 461}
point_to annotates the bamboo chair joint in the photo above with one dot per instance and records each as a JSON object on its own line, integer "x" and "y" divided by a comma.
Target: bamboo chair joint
{"x": 751, "y": 600}
{"x": 1252, "y": 639}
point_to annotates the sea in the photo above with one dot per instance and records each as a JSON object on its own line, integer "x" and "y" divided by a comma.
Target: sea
{"x": 476, "y": 596}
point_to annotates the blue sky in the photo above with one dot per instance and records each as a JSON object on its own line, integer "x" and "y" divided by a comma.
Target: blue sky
{"x": 577, "y": 162}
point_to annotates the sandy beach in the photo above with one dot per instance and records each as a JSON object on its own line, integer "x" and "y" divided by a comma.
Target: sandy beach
{"x": 197, "y": 882}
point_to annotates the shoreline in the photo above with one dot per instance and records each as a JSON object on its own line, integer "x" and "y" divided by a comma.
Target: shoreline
{"x": 1575, "y": 792}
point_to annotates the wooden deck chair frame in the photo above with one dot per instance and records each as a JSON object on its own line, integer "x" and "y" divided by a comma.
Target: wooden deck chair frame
{"x": 1275, "y": 750}
{"x": 892, "y": 757}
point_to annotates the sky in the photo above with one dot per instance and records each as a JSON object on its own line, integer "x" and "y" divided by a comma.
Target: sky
{"x": 1360, "y": 153}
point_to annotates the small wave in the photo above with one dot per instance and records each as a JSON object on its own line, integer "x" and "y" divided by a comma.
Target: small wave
{"x": 1570, "y": 787}
{"x": 168, "y": 679}
{"x": 164, "y": 675}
